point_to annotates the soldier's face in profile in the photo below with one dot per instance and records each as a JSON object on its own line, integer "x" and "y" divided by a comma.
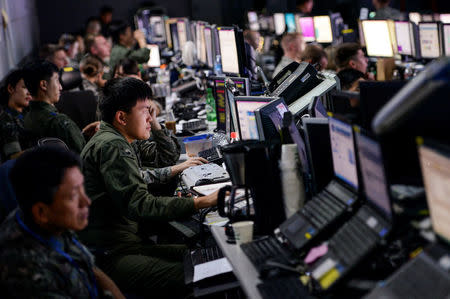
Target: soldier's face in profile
{"x": 138, "y": 121}
{"x": 19, "y": 95}
{"x": 54, "y": 88}
{"x": 69, "y": 209}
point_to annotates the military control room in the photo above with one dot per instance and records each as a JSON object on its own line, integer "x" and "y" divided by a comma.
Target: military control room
{"x": 225, "y": 149}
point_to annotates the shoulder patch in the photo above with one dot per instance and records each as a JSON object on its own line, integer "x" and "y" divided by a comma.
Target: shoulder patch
{"x": 126, "y": 152}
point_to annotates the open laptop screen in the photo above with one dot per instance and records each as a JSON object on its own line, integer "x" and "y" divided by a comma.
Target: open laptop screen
{"x": 343, "y": 152}
{"x": 435, "y": 165}
{"x": 372, "y": 171}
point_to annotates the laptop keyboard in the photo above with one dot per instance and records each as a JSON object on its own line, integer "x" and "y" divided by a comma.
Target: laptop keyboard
{"x": 284, "y": 287}
{"x": 203, "y": 255}
{"x": 353, "y": 241}
{"x": 322, "y": 210}
{"x": 194, "y": 125}
{"x": 259, "y": 251}
{"x": 211, "y": 154}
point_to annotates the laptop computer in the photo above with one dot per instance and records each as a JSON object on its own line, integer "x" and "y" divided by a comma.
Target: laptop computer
{"x": 427, "y": 275}
{"x": 371, "y": 224}
{"x": 321, "y": 213}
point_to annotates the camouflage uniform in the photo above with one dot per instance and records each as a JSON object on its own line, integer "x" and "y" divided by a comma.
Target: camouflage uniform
{"x": 116, "y": 181}
{"x": 32, "y": 269}
{"x": 43, "y": 120}
{"x": 13, "y": 137}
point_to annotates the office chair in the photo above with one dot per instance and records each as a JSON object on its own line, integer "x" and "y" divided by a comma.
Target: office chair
{"x": 80, "y": 106}
{"x": 52, "y": 141}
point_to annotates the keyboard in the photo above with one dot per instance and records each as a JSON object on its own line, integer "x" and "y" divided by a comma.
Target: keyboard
{"x": 322, "y": 210}
{"x": 194, "y": 125}
{"x": 212, "y": 154}
{"x": 204, "y": 255}
{"x": 284, "y": 288}
{"x": 204, "y": 175}
{"x": 259, "y": 251}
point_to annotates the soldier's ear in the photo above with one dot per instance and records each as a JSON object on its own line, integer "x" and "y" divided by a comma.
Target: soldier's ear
{"x": 121, "y": 117}
{"x": 43, "y": 85}
{"x": 40, "y": 213}
{"x": 10, "y": 89}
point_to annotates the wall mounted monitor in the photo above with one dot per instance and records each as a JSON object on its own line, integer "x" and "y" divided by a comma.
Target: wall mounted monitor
{"x": 323, "y": 29}
{"x": 228, "y": 50}
{"x": 210, "y": 57}
{"x": 280, "y": 23}
{"x": 306, "y": 25}
{"x": 290, "y": 22}
{"x": 377, "y": 38}
{"x": 430, "y": 39}
{"x": 253, "y": 23}
{"x": 405, "y": 38}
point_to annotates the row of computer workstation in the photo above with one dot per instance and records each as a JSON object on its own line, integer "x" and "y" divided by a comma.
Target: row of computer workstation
{"x": 367, "y": 183}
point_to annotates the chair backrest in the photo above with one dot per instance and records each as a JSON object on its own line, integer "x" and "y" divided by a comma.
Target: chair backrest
{"x": 80, "y": 106}
{"x": 52, "y": 141}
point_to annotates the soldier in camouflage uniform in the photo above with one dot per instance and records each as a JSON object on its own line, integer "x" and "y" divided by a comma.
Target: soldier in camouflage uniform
{"x": 14, "y": 98}
{"x": 116, "y": 181}
{"x": 43, "y": 120}
{"x": 40, "y": 256}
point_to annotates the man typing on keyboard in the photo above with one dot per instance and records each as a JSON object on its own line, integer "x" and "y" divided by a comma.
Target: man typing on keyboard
{"x": 116, "y": 183}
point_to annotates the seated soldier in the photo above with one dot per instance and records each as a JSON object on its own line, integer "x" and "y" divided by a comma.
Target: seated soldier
{"x": 43, "y": 120}
{"x": 292, "y": 45}
{"x": 40, "y": 255}
{"x": 351, "y": 56}
{"x": 14, "y": 98}
{"x": 55, "y": 54}
{"x": 117, "y": 183}
{"x": 315, "y": 55}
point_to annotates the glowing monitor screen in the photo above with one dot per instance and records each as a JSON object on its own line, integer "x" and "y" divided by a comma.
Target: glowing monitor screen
{"x": 404, "y": 42}
{"x": 429, "y": 40}
{"x": 373, "y": 175}
{"x": 182, "y": 33}
{"x": 445, "y": 18}
{"x": 174, "y": 34}
{"x": 157, "y": 32}
{"x": 154, "y": 59}
{"x": 306, "y": 25}
{"x": 200, "y": 42}
{"x": 415, "y": 17}
{"x": 228, "y": 51}
{"x": 247, "y": 120}
{"x": 377, "y": 38}
{"x": 435, "y": 167}
{"x": 447, "y": 39}
{"x": 209, "y": 47}
{"x": 290, "y": 22}
{"x": 322, "y": 28}
{"x": 343, "y": 152}
{"x": 253, "y": 20}
{"x": 280, "y": 24}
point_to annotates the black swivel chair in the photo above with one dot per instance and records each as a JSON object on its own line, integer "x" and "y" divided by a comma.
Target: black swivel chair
{"x": 80, "y": 106}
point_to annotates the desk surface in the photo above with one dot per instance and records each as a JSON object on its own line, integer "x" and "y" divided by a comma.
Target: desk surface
{"x": 242, "y": 267}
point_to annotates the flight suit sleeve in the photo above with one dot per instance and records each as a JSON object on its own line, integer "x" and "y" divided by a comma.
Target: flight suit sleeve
{"x": 162, "y": 151}
{"x": 128, "y": 190}
{"x": 140, "y": 55}
{"x": 66, "y": 130}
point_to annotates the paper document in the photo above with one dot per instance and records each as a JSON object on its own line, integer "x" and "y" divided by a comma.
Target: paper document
{"x": 209, "y": 189}
{"x": 211, "y": 268}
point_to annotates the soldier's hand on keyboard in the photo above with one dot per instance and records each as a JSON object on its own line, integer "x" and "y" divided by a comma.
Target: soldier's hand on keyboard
{"x": 206, "y": 201}
{"x": 192, "y": 161}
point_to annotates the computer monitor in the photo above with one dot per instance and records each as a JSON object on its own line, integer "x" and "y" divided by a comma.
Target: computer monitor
{"x": 343, "y": 152}
{"x": 435, "y": 166}
{"x": 174, "y": 36}
{"x": 269, "y": 119}
{"x": 317, "y": 109}
{"x": 306, "y": 25}
{"x": 280, "y": 23}
{"x": 323, "y": 29}
{"x": 405, "y": 39}
{"x": 142, "y": 22}
{"x": 377, "y": 38}
{"x": 245, "y": 112}
{"x": 157, "y": 32}
{"x": 429, "y": 39}
{"x": 415, "y": 17}
{"x": 253, "y": 23}
{"x": 444, "y": 18}
{"x": 229, "y": 50}
{"x": 376, "y": 189}
{"x": 182, "y": 29}
{"x": 446, "y": 38}
{"x": 210, "y": 57}
{"x": 167, "y": 22}
{"x": 201, "y": 42}
{"x": 154, "y": 59}
{"x": 290, "y": 22}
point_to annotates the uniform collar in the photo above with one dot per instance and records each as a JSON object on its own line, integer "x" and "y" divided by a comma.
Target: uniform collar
{"x": 43, "y": 106}
{"x": 107, "y": 127}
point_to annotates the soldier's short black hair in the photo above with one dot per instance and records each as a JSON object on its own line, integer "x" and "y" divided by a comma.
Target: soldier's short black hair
{"x": 122, "y": 94}
{"x": 116, "y": 28}
{"x": 35, "y": 72}
{"x": 345, "y": 53}
{"x": 11, "y": 79}
{"x": 38, "y": 173}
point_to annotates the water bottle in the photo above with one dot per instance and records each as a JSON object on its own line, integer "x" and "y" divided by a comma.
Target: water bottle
{"x": 210, "y": 105}
{"x": 218, "y": 65}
